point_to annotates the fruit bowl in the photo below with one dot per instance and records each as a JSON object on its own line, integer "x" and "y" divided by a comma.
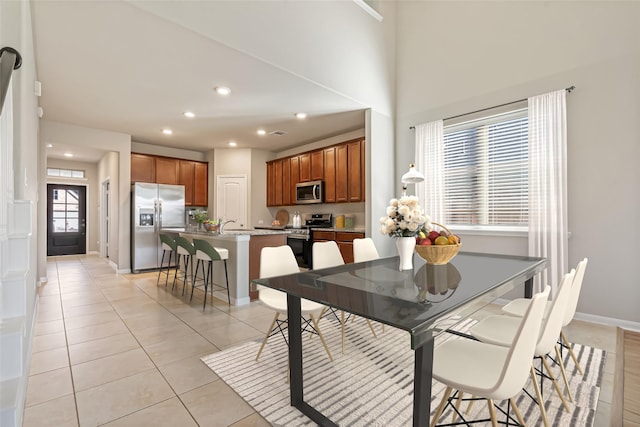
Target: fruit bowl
{"x": 439, "y": 254}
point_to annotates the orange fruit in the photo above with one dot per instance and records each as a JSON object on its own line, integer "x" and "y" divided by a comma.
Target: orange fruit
{"x": 453, "y": 240}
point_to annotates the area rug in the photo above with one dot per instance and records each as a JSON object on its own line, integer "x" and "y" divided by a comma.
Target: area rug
{"x": 371, "y": 384}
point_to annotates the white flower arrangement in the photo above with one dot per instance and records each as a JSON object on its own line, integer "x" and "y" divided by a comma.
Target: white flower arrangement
{"x": 404, "y": 218}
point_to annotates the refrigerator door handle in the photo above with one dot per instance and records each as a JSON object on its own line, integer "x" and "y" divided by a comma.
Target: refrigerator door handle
{"x": 159, "y": 215}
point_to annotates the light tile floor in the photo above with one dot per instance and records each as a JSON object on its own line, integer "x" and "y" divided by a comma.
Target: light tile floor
{"x": 120, "y": 350}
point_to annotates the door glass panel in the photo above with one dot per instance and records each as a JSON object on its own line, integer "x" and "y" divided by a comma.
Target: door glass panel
{"x": 65, "y": 211}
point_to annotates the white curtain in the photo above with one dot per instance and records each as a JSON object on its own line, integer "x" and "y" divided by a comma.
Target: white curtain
{"x": 430, "y": 161}
{"x": 548, "y": 231}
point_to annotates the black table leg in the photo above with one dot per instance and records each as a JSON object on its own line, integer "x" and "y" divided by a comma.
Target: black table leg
{"x": 295, "y": 349}
{"x": 423, "y": 375}
{"x": 294, "y": 316}
{"x": 528, "y": 288}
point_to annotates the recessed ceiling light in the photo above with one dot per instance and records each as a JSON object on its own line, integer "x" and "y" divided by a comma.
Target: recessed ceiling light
{"x": 261, "y": 132}
{"x": 222, "y": 90}
{"x": 167, "y": 131}
{"x": 49, "y": 145}
{"x": 68, "y": 154}
{"x": 301, "y": 115}
{"x": 232, "y": 144}
{"x": 189, "y": 114}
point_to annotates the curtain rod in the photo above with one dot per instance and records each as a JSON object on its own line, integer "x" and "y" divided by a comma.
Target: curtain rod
{"x": 569, "y": 90}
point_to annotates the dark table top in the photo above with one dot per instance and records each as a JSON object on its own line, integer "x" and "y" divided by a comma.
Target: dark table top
{"x": 417, "y": 300}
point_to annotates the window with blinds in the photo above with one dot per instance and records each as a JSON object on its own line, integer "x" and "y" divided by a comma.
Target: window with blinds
{"x": 486, "y": 171}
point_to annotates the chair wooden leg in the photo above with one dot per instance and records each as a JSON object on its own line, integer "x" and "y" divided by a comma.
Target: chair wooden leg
{"x": 266, "y": 337}
{"x": 492, "y": 413}
{"x": 471, "y": 402}
{"x": 315, "y": 325}
{"x": 443, "y": 403}
{"x": 555, "y": 384}
{"x": 517, "y": 412}
{"x": 573, "y": 355}
{"x": 543, "y": 412}
{"x": 564, "y": 373}
{"x": 458, "y": 401}
{"x": 371, "y": 327}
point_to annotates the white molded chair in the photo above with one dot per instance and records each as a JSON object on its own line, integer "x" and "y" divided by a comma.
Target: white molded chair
{"x": 490, "y": 371}
{"x": 517, "y": 307}
{"x": 325, "y": 255}
{"x": 364, "y": 250}
{"x": 501, "y": 329}
{"x": 279, "y": 261}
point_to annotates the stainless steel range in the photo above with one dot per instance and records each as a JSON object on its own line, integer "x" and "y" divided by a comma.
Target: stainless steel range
{"x": 301, "y": 239}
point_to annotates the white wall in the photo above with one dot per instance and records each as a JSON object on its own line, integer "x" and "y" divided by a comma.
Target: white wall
{"x": 92, "y": 185}
{"x": 456, "y": 57}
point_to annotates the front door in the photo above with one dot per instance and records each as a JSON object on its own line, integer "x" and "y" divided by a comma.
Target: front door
{"x": 66, "y": 219}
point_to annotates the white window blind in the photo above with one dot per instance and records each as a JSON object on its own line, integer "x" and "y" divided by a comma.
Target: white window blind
{"x": 485, "y": 171}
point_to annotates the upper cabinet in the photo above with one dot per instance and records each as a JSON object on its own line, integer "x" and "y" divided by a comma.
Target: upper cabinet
{"x": 167, "y": 170}
{"x": 143, "y": 168}
{"x": 340, "y": 166}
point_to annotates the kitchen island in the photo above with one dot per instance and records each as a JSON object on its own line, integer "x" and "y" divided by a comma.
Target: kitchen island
{"x": 243, "y": 265}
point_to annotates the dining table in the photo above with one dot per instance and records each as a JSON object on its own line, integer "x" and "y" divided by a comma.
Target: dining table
{"x": 423, "y": 301}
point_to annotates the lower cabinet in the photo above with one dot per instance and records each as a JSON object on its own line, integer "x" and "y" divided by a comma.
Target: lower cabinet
{"x": 344, "y": 239}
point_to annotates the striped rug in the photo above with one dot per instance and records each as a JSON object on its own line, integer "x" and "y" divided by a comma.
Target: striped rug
{"x": 371, "y": 384}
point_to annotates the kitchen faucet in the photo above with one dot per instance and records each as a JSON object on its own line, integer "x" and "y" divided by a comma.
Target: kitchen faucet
{"x": 225, "y": 223}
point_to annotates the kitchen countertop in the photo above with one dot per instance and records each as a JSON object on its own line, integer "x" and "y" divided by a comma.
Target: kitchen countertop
{"x": 341, "y": 230}
{"x": 229, "y": 232}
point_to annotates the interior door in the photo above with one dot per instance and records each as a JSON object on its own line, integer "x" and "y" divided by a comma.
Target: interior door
{"x": 66, "y": 219}
{"x": 231, "y": 199}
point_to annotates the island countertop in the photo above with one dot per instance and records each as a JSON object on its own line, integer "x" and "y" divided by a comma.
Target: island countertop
{"x": 228, "y": 234}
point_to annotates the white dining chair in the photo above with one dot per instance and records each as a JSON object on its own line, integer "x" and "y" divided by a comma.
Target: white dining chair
{"x": 279, "y": 261}
{"x": 500, "y": 330}
{"x": 490, "y": 371}
{"x": 364, "y": 250}
{"x": 326, "y": 255}
{"x": 517, "y": 306}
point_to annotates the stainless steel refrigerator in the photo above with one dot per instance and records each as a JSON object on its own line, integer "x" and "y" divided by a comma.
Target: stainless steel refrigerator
{"x": 154, "y": 207}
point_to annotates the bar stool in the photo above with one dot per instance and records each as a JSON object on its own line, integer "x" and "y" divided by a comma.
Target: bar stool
{"x": 186, "y": 251}
{"x": 205, "y": 253}
{"x": 168, "y": 245}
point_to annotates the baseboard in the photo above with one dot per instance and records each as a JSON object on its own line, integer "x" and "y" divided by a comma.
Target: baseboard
{"x": 93, "y": 253}
{"x": 123, "y": 271}
{"x": 610, "y": 321}
{"x": 42, "y": 281}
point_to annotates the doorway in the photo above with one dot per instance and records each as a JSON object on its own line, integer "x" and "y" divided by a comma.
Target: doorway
{"x": 66, "y": 219}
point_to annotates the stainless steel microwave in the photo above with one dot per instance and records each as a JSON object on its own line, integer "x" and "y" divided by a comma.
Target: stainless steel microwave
{"x": 309, "y": 192}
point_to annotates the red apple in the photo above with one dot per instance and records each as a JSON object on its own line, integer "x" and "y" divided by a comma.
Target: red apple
{"x": 433, "y": 235}
{"x": 425, "y": 242}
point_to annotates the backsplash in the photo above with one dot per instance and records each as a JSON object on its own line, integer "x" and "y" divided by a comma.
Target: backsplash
{"x": 355, "y": 209}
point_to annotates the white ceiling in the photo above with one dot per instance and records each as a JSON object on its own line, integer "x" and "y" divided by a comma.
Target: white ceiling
{"x": 112, "y": 66}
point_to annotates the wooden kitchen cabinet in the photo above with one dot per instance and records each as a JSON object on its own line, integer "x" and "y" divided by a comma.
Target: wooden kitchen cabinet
{"x": 329, "y": 174}
{"x": 143, "y": 168}
{"x": 167, "y": 170}
{"x": 355, "y": 170}
{"x": 201, "y": 184}
{"x": 341, "y": 167}
{"x": 295, "y": 177}
{"x": 317, "y": 165}
{"x": 344, "y": 240}
{"x": 342, "y": 174}
{"x": 305, "y": 167}
{"x": 286, "y": 182}
{"x": 278, "y": 183}
{"x": 194, "y": 176}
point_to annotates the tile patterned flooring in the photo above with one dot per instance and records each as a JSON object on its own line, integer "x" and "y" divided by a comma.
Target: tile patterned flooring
{"x": 118, "y": 350}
